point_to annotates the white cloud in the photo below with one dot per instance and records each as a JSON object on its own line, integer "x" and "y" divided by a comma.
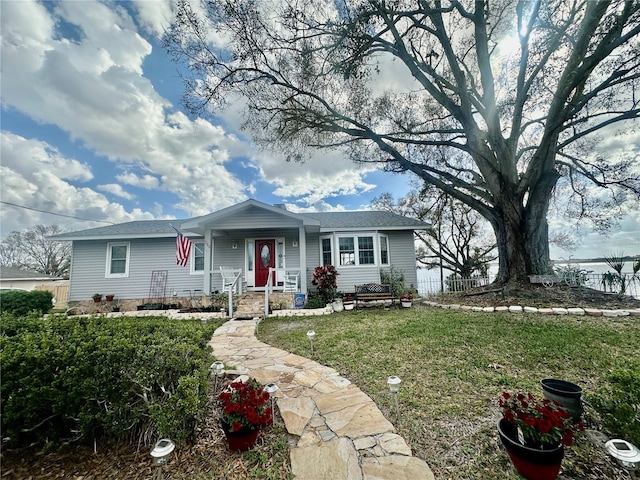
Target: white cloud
{"x": 117, "y": 190}
{"x": 143, "y": 181}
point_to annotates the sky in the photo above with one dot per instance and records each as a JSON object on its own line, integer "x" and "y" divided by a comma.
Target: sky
{"x": 93, "y": 132}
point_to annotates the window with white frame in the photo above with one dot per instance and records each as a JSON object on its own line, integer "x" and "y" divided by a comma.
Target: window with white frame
{"x": 384, "y": 249}
{"x": 327, "y": 254}
{"x": 197, "y": 257}
{"x": 361, "y": 250}
{"x": 117, "y": 259}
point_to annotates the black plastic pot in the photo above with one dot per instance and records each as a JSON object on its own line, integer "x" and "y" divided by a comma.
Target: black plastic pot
{"x": 568, "y": 394}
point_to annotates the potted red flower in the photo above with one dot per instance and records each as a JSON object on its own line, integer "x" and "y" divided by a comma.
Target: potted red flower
{"x": 245, "y": 409}
{"x": 406, "y": 299}
{"x": 534, "y": 432}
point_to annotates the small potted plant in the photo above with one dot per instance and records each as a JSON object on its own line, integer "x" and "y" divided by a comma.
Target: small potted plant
{"x": 245, "y": 410}
{"x": 97, "y": 297}
{"x": 109, "y": 297}
{"x": 406, "y": 299}
{"x": 535, "y": 431}
{"x": 347, "y": 301}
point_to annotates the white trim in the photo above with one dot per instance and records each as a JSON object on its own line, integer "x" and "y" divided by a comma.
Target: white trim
{"x": 107, "y": 270}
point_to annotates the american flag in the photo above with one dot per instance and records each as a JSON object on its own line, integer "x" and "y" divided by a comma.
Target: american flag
{"x": 183, "y": 248}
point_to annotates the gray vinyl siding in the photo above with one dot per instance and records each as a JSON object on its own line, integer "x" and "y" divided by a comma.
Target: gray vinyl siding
{"x": 146, "y": 255}
{"x": 402, "y": 255}
{"x": 256, "y": 218}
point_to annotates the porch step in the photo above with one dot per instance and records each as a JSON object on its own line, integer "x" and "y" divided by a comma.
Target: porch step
{"x": 251, "y": 305}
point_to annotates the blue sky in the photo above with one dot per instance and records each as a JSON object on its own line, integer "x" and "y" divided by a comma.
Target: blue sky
{"x": 93, "y": 127}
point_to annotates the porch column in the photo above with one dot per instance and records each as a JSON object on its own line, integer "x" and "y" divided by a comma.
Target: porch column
{"x": 208, "y": 248}
{"x": 302, "y": 242}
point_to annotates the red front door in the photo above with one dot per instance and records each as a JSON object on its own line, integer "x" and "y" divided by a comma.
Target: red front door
{"x": 266, "y": 258}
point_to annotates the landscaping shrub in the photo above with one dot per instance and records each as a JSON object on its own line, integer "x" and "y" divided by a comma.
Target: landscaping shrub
{"x": 619, "y": 403}
{"x": 394, "y": 277}
{"x": 315, "y": 300}
{"x": 21, "y": 302}
{"x": 83, "y": 378}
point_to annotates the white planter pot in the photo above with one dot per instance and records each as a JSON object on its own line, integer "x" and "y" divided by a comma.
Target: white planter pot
{"x": 348, "y": 306}
{"x": 337, "y": 306}
{"x": 405, "y": 304}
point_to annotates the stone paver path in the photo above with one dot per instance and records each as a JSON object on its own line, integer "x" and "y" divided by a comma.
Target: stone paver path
{"x": 339, "y": 431}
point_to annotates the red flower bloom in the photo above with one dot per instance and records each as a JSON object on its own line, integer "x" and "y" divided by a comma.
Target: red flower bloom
{"x": 244, "y": 405}
{"x": 542, "y": 422}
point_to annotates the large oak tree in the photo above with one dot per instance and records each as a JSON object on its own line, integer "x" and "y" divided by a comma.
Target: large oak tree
{"x": 498, "y": 104}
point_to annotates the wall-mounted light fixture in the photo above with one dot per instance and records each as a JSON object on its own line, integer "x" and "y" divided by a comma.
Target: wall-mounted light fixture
{"x": 294, "y": 243}
{"x": 234, "y": 244}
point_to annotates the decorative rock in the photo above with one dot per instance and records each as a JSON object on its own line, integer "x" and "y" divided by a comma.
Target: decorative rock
{"x": 396, "y": 467}
{"x": 615, "y": 313}
{"x": 296, "y": 413}
{"x": 531, "y": 309}
{"x": 487, "y": 309}
{"x": 515, "y": 309}
{"x": 392, "y": 443}
{"x": 575, "y": 311}
{"x": 466, "y": 307}
{"x": 335, "y": 460}
{"x": 476, "y": 309}
{"x": 546, "y": 311}
{"x": 502, "y": 308}
{"x": 455, "y": 306}
{"x": 363, "y": 443}
{"x": 635, "y": 312}
{"x": 593, "y": 312}
{"x": 358, "y": 420}
{"x": 559, "y": 310}
{"x": 309, "y": 437}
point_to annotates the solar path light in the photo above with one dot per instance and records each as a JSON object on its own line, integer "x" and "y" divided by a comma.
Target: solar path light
{"x": 271, "y": 389}
{"x": 394, "y": 387}
{"x": 627, "y": 455}
{"x": 311, "y": 335}
{"x": 216, "y": 371}
{"x": 160, "y": 453}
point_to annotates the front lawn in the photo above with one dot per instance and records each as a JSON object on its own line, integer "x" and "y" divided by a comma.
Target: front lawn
{"x": 453, "y": 367}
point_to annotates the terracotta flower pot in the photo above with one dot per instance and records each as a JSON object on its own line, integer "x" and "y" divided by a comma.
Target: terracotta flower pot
{"x": 242, "y": 440}
{"x": 531, "y": 463}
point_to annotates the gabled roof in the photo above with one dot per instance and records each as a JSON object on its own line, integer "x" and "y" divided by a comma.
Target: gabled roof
{"x": 14, "y": 273}
{"x": 199, "y": 223}
{"x": 324, "y": 221}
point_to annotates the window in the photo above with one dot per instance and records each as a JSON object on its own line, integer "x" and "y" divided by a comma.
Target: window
{"x": 327, "y": 256}
{"x": 197, "y": 257}
{"x": 384, "y": 250}
{"x": 347, "y": 251}
{"x": 361, "y": 250}
{"x": 366, "y": 254}
{"x": 117, "y": 259}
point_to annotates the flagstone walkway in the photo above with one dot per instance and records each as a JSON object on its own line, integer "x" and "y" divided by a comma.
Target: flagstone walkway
{"x": 339, "y": 432}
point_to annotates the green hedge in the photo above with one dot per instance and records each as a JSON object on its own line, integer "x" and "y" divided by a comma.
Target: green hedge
{"x": 22, "y": 302}
{"x": 79, "y": 378}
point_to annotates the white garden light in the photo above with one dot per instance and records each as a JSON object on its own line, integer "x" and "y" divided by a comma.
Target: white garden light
{"x": 311, "y": 335}
{"x": 160, "y": 453}
{"x": 216, "y": 371}
{"x": 394, "y": 387}
{"x": 627, "y": 455}
{"x": 271, "y": 389}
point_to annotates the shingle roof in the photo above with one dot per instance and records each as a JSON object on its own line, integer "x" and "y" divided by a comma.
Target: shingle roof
{"x": 13, "y": 273}
{"x": 366, "y": 219}
{"x": 136, "y": 229}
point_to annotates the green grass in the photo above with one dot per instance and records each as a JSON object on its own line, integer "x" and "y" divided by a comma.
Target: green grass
{"x": 453, "y": 367}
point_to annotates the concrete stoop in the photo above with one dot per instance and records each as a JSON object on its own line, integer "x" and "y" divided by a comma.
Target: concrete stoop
{"x": 339, "y": 432}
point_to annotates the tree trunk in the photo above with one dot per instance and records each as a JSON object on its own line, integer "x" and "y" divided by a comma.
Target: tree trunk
{"x": 523, "y": 242}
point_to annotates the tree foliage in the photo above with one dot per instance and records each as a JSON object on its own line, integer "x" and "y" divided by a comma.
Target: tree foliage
{"x": 30, "y": 249}
{"x": 497, "y": 104}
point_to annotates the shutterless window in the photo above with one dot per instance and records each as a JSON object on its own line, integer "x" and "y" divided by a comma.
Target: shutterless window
{"x": 384, "y": 250}
{"x": 198, "y": 256}
{"x": 118, "y": 259}
{"x": 366, "y": 253}
{"x": 347, "y": 251}
{"x": 326, "y": 252}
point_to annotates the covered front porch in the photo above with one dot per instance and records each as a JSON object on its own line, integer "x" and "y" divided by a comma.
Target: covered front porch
{"x": 253, "y": 247}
